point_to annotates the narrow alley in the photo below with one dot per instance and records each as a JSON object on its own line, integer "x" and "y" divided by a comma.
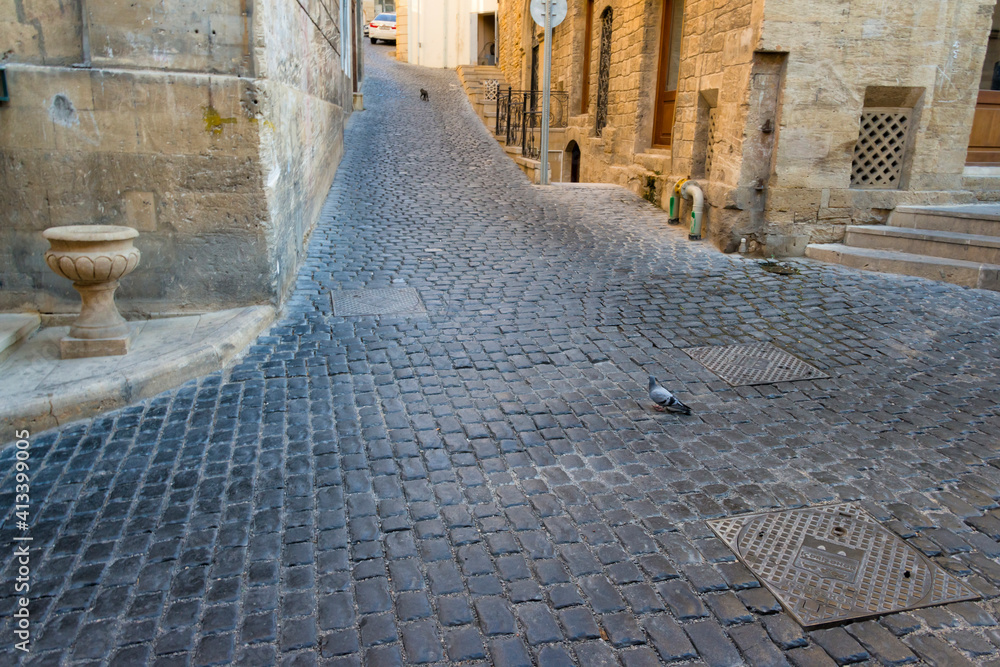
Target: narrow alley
{"x": 479, "y": 476}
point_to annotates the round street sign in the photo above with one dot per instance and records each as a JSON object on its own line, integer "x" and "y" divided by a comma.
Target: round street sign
{"x": 557, "y": 7}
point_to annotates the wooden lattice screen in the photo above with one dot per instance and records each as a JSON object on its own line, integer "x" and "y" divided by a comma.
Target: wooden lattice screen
{"x": 881, "y": 147}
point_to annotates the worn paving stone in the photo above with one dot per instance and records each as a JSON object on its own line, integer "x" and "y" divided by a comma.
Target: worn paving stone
{"x": 485, "y": 481}
{"x": 881, "y": 643}
{"x": 713, "y": 646}
{"x": 843, "y": 648}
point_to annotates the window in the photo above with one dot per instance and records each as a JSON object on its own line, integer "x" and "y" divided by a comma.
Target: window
{"x": 588, "y": 47}
{"x": 604, "y": 71}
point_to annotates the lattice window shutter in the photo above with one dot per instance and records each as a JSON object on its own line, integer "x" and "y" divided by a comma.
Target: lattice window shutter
{"x": 710, "y": 149}
{"x": 491, "y": 86}
{"x": 878, "y": 155}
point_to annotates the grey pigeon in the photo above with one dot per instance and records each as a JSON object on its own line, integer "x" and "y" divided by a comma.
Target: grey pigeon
{"x": 665, "y": 401}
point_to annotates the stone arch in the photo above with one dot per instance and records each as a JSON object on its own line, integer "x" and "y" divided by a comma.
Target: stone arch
{"x": 571, "y": 168}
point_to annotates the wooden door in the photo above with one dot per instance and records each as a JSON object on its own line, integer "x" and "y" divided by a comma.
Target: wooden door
{"x": 666, "y": 79}
{"x": 984, "y": 142}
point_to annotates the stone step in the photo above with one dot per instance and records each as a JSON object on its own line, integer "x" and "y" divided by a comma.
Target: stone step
{"x": 936, "y": 243}
{"x": 15, "y": 328}
{"x": 967, "y": 274}
{"x": 980, "y": 219}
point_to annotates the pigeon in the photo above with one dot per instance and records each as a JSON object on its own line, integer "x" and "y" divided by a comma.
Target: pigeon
{"x": 665, "y": 401}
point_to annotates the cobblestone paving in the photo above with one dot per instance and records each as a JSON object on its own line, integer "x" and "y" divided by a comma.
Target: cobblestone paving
{"x": 485, "y": 482}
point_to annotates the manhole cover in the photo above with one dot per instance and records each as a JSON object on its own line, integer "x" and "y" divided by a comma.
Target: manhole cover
{"x": 833, "y": 563}
{"x": 757, "y": 363}
{"x": 384, "y": 301}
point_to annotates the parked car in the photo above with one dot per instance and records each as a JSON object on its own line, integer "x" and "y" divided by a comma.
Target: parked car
{"x": 383, "y": 27}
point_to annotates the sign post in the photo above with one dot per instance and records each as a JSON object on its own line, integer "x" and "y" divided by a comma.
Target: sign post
{"x": 548, "y": 14}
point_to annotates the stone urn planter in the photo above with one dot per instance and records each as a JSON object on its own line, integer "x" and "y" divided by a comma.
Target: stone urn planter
{"x": 94, "y": 257}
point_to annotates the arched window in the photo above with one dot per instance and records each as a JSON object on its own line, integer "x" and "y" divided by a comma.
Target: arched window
{"x": 604, "y": 71}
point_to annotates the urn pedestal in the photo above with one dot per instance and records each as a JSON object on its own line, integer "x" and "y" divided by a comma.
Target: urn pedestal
{"x": 94, "y": 257}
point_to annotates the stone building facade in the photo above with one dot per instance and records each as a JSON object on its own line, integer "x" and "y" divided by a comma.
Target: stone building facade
{"x": 446, "y": 33}
{"x": 214, "y": 127}
{"x": 797, "y": 117}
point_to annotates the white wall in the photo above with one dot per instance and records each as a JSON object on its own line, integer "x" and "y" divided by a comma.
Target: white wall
{"x": 445, "y": 33}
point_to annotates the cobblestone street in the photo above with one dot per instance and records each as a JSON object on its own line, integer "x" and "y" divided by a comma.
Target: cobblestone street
{"x": 486, "y": 482}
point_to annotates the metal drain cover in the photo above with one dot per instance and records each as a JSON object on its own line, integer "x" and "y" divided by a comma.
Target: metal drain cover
{"x": 379, "y": 301}
{"x": 832, "y": 563}
{"x": 756, "y": 363}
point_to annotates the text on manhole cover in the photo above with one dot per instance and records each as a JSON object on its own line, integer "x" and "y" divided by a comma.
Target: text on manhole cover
{"x": 836, "y": 562}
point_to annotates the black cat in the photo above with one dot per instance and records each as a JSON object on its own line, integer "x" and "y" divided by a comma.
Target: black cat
{"x": 423, "y": 95}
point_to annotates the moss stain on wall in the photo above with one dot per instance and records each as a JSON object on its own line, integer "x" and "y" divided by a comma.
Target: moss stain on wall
{"x": 214, "y": 122}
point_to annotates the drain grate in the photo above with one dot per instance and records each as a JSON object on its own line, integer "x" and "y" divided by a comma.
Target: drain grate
{"x": 756, "y": 363}
{"x": 833, "y": 563}
{"x": 379, "y": 301}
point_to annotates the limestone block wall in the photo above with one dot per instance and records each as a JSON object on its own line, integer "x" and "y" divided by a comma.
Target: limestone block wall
{"x": 510, "y": 49}
{"x": 927, "y": 56}
{"x": 784, "y": 84}
{"x": 190, "y": 35}
{"x": 307, "y": 97}
{"x": 215, "y": 131}
{"x": 43, "y": 33}
{"x": 631, "y": 86}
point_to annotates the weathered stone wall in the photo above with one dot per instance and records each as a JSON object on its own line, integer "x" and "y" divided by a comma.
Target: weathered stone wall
{"x": 222, "y": 173}
{"x": 189, "y": 35}
{"x": 926, "y": 56}
{"x": 622, "y": 154}
{"x": 307, "y": 98}
{"x": 786, "y": 81}
{"x": 41, "y": 33}
{"x": 510, "y": 50}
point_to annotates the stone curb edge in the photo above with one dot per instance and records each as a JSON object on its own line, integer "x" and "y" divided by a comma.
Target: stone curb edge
{"x": 121, "y": 388}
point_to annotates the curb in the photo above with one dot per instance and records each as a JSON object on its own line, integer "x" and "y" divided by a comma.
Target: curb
{"x": 37, "y": 412}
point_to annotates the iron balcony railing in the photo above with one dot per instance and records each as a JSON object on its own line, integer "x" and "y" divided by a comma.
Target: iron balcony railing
{"x": 519, "y": 118}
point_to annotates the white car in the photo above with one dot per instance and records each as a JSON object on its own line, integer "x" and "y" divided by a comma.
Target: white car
{"x": 383, "y": 27}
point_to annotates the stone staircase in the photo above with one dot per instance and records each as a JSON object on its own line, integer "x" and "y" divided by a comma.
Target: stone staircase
{"x": 473, "y": 78}
{"x": 956, "y": 244}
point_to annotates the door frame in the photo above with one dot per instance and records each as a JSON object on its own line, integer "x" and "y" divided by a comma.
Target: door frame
{"x": 662, "y": 72}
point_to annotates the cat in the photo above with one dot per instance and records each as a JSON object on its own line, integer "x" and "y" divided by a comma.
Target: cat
{"x": 423, "y": 95}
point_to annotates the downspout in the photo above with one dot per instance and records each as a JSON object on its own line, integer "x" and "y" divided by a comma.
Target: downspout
{"x": 690, "y": 190}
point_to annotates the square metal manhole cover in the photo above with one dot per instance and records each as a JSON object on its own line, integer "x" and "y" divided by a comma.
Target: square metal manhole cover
{"x": 756, "y": 363}
{"x": 836, "y": 562}
{"x": 378, "y": 301}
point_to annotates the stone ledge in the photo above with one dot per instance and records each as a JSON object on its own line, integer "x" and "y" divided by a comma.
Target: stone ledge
{"x": 15, "y": 328}
{"x": 42, "y": 391}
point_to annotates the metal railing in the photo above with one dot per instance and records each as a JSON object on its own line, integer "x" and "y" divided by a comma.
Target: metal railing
{"x": 519, "y": 118}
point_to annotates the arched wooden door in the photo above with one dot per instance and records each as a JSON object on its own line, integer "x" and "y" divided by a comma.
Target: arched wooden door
{"x": 666, "y": 79}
